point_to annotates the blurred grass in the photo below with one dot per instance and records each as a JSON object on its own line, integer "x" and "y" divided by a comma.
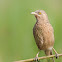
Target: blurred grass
{"x": 16, "y": 24}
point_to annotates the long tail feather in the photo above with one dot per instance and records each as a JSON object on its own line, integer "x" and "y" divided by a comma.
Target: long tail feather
{"x": 48, "y": 52}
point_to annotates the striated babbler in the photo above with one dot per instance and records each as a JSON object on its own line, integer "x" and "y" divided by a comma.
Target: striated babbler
{"x": 43, "y": 33}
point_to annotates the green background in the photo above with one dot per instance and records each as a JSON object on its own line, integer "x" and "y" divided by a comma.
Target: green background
{"x": 16, "y": 28}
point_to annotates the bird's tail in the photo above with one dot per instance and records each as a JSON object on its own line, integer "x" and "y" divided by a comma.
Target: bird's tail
{"x": 48, "y": 52}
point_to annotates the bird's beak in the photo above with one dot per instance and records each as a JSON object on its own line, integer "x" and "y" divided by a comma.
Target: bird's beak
{"x": 33, "y": 13}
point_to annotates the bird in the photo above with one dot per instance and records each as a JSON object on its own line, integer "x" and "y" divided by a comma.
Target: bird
{"x": 43, "y": 33}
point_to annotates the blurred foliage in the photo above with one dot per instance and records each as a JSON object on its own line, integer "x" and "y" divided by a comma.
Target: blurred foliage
{"x": 16, "y": 24}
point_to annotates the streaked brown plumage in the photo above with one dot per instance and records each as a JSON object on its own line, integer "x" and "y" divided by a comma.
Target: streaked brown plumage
{"x": 43, "y": 32}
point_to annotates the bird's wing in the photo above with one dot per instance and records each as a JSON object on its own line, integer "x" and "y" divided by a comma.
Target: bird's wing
{"x": 37, "y": 32}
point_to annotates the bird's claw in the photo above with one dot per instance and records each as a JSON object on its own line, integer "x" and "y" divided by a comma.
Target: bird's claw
{"x": 56, "y": 55}
{"x": 36, "y": 59}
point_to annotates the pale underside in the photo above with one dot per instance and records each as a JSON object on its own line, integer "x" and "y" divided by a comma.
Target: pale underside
{"x": 44, "y": 36}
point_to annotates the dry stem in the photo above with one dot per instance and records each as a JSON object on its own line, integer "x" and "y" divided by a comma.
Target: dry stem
{"x": 44, "y": 57}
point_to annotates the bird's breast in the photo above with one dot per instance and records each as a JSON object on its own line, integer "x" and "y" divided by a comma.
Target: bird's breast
{"x": 44, "y": 36}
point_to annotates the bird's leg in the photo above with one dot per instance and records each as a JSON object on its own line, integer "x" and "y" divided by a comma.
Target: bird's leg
{"x": 36, "y": 58}
{"x": 56, "y": 53}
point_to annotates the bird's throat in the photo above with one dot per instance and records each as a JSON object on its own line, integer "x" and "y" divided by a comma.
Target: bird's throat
{"x": 41, "y": 20}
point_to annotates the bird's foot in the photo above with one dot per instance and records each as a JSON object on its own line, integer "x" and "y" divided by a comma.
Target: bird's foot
{"x": 36, "y": 59}
{"x": 56, "y": 55}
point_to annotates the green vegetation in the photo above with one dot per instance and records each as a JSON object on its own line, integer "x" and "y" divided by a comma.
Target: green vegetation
{"x": 16, "y": 24}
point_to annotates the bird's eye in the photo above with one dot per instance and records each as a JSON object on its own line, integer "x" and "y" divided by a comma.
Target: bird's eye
{"x": 39, "y": 13}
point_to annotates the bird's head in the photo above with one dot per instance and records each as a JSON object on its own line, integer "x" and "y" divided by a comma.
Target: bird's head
{"x": 40, "y": 14}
